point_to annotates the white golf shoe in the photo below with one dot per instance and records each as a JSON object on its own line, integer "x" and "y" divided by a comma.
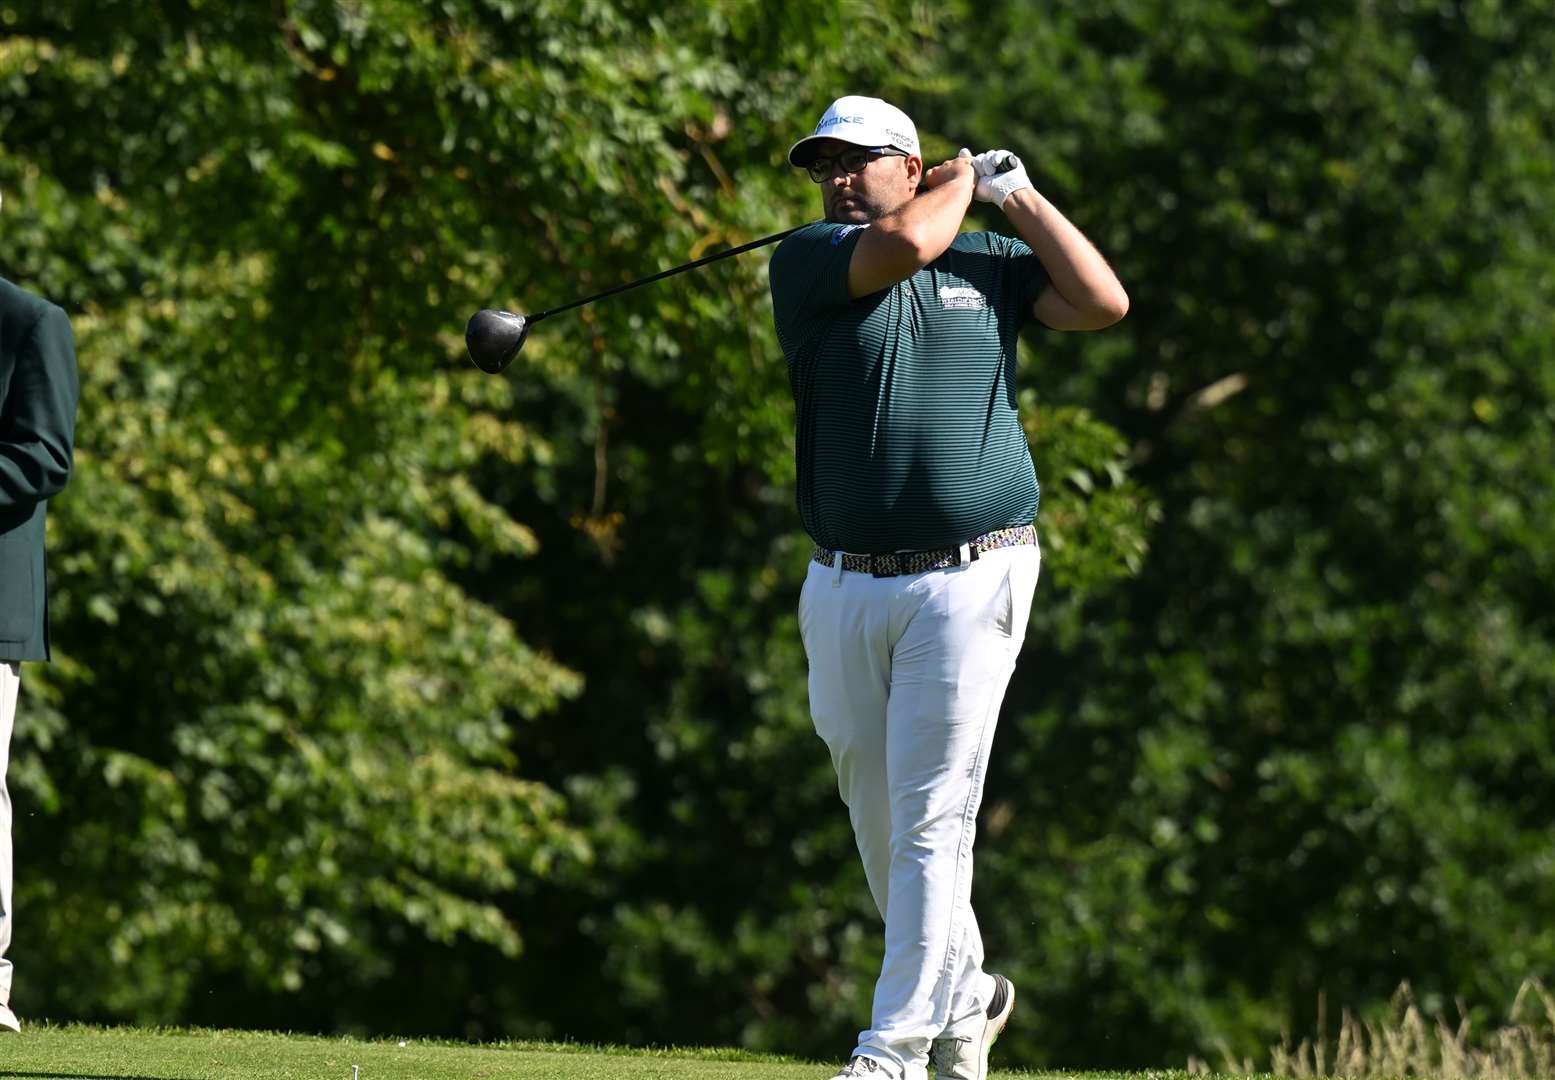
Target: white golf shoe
{"x": 964, "y": 1056}
{"x": 859, "y": 1068}
{"x": 8, "y": 1021}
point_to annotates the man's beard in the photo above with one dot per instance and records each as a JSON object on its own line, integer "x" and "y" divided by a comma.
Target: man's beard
{"x": 861, "y": 212}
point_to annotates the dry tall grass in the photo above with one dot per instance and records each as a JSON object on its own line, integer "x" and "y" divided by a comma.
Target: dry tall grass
{"x": 1410, "y": 1044}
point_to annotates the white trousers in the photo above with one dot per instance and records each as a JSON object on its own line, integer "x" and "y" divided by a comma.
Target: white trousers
{"x": 906, "y": 678}
{"x": 10, "y": 683}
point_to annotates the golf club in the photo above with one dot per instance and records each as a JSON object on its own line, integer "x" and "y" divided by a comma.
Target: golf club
{"x": 494, "y": 337}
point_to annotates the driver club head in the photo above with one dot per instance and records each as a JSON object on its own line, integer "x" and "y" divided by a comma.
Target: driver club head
{"x": 494, "y": 337}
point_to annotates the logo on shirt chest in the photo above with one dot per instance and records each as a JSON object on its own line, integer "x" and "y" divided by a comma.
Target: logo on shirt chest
{"x": 961, "y": 298}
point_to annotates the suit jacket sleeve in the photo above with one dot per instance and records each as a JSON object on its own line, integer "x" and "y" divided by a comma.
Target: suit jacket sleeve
{"x": 38, "y": 414}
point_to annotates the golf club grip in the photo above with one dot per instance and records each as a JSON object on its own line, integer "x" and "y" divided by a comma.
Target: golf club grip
{"x": 667, "y": 273}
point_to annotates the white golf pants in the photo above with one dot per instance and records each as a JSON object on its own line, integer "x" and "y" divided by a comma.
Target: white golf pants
{"x": 906, "y": 678}
{"x": 10, "y": 683}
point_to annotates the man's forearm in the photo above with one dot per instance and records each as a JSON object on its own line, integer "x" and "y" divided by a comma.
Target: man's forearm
{"x": 1076, "y": 270}
{"x": 931, "y": 219}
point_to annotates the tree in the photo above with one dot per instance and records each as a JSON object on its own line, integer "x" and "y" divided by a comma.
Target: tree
{"x": 280, "y": 737}
{"x": 1302, "y": 753}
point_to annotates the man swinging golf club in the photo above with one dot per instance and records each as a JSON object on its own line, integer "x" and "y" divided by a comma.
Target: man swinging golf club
{"x": 916, "y": 484}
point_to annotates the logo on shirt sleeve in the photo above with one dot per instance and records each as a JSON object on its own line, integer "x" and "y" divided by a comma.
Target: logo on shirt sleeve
{"x": 841, "y": 234}
{"x": 961, "y": 298}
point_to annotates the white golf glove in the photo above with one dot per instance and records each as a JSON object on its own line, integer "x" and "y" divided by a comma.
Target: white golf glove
{"x": 999, "y": 173}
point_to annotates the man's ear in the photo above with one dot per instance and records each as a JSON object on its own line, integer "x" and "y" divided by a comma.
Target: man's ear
{"x": 914, "y": 172}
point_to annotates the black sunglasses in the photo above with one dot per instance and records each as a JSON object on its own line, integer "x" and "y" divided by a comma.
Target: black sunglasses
{"x": 852, "y": 161}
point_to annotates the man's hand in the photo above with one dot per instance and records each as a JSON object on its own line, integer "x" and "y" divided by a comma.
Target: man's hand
{"x": 999, "y": 175}
{"x": 948, "y": 172}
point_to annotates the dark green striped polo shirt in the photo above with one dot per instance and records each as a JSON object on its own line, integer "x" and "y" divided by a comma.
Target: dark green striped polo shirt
{"x": 907, "y": 430}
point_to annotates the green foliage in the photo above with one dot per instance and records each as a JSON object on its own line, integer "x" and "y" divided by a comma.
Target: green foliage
{"x": 376, "y": 673}
{"x": 281, "y": 733}
{"x": 1299, "y": 753}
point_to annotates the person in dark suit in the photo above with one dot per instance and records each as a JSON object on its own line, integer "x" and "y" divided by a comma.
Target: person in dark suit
{"x": 38, "y": 393}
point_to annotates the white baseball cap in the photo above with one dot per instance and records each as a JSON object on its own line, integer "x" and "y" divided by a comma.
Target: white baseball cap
{"x": 862, "y": 121}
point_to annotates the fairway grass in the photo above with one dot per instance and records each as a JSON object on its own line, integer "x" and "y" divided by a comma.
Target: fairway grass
{"x": 76, "y": 1052}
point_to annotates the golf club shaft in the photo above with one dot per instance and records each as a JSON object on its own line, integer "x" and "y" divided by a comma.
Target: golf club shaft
{"x": 666, "y": 273}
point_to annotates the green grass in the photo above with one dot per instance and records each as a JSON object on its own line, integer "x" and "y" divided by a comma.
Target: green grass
{"x": 76, "y": 1052}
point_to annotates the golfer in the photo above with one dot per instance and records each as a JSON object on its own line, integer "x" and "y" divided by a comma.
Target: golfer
{"x": 38, "y": 391}
{"x": 916, "y": 484}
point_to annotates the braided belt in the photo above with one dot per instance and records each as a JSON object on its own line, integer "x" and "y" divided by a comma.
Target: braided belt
{"x": 897, "y": 563}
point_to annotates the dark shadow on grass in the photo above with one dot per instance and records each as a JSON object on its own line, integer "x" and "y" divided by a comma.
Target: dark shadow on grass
{"x": 82, "y": 1076}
